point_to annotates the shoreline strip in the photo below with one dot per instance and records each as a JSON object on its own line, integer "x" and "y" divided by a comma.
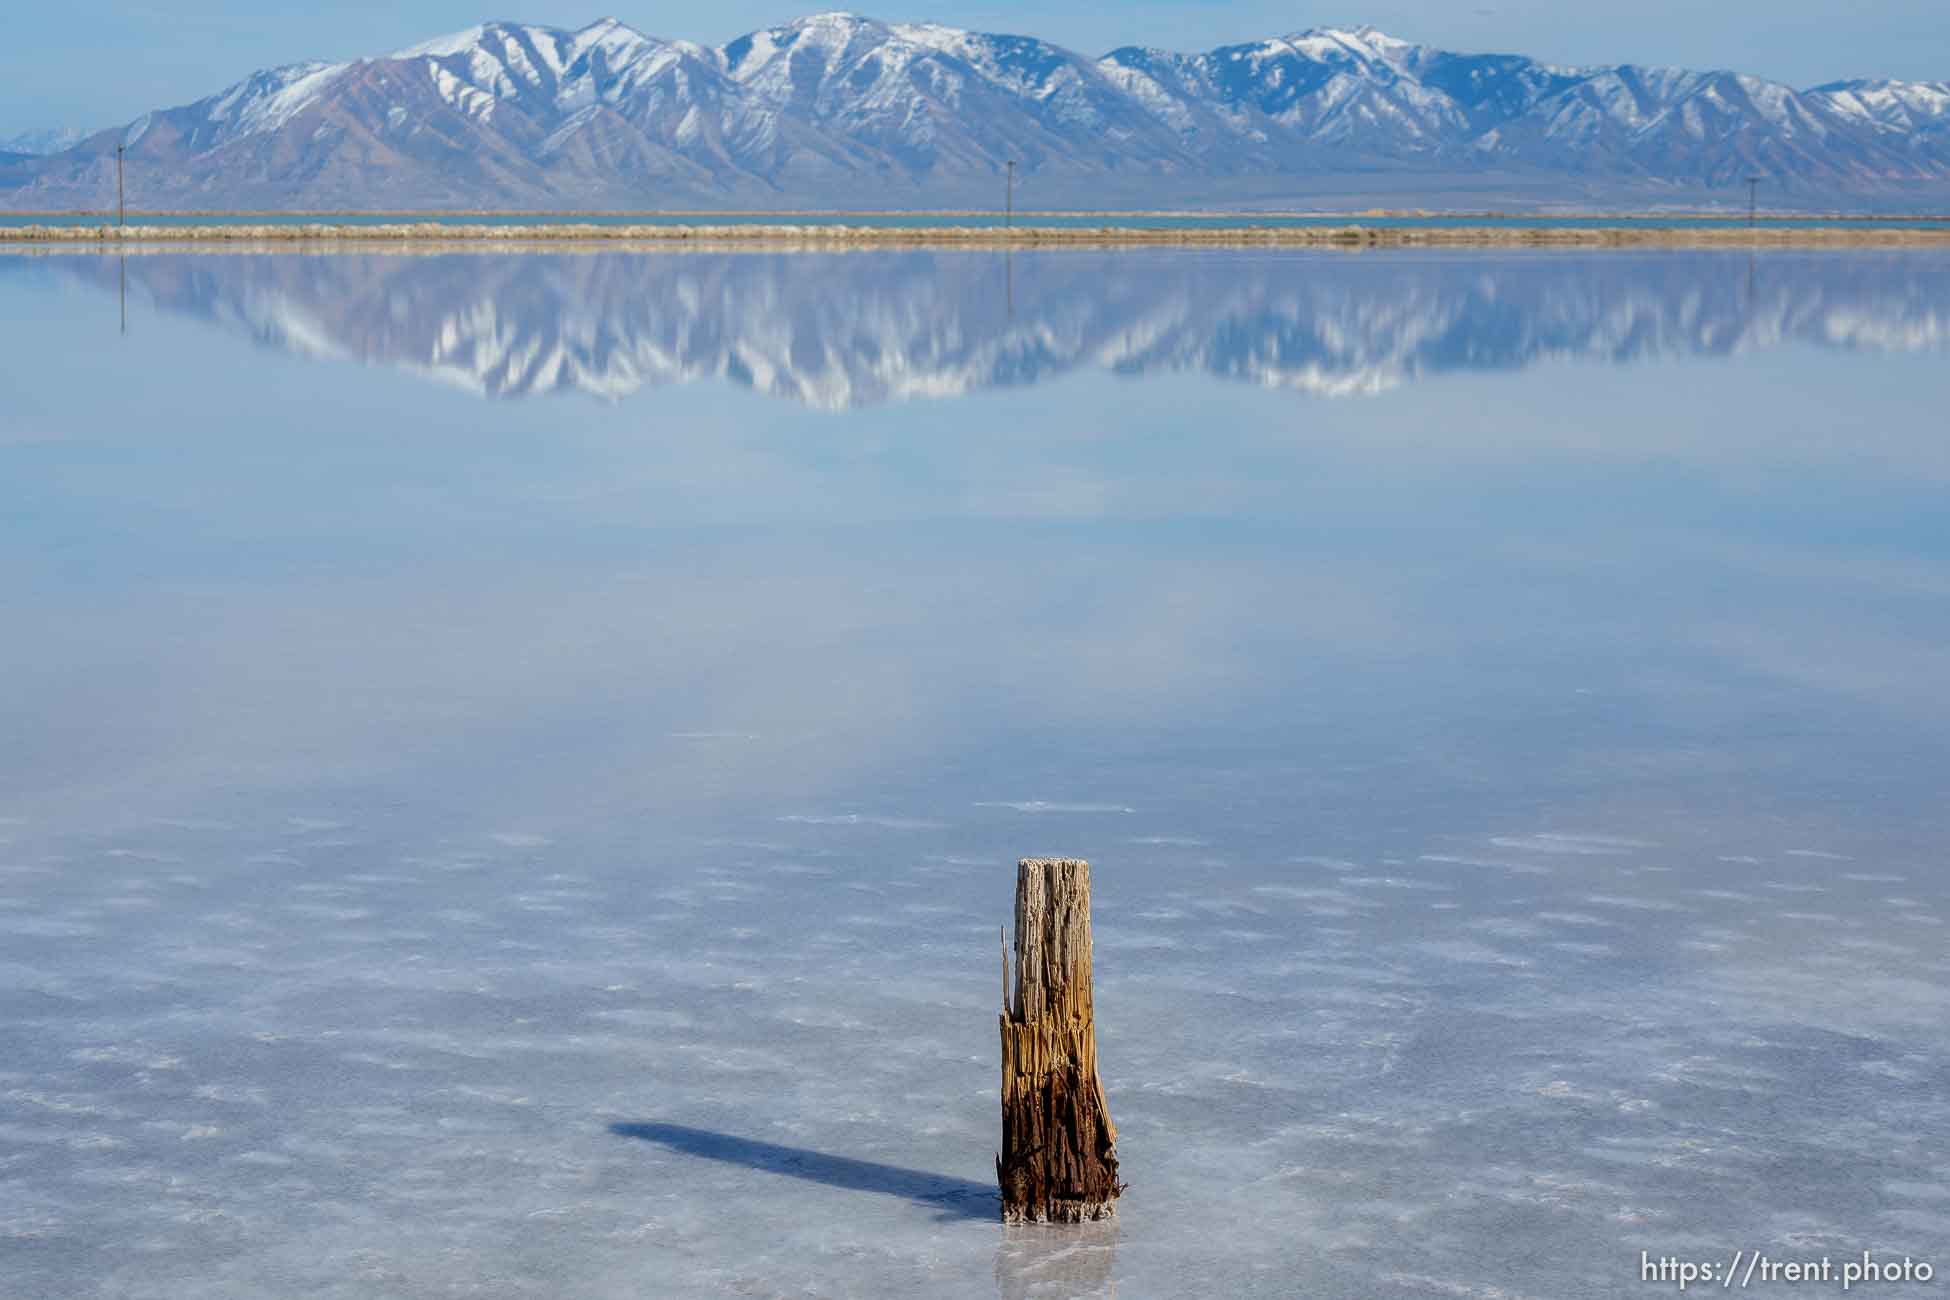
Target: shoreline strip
{"x": 1107, "y": 236}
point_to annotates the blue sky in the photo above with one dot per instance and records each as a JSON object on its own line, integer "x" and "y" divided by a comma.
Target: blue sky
{"x": 95, "y": 64}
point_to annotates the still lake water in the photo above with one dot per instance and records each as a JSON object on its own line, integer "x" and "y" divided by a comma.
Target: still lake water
{"x": 514, "y": 765}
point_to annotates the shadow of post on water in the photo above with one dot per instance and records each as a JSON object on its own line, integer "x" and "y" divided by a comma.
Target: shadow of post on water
{"x": 952, "y": 1198}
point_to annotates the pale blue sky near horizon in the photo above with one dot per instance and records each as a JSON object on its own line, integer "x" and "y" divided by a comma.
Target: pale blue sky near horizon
{"x": 100, "y": 64}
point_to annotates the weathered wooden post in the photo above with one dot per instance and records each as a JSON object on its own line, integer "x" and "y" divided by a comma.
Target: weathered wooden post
{"x": 1058, "y": 1162}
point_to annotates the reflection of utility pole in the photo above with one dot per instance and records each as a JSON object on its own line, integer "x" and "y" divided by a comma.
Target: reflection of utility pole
{"x": 122, "y": 286}
{"x": 1753, "y": 201}
{"x": 1009, "y": 210}
{"x": 121, "y": 213}
{"x": 1009, "y": 275}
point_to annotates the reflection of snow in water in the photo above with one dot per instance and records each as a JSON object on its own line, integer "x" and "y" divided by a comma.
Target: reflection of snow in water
{"x": 904, "y": 327}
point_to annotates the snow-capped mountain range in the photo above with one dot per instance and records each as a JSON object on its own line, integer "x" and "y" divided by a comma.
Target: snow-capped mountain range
{"x": 842, "y": 330}
{"x": 840, "y": 110}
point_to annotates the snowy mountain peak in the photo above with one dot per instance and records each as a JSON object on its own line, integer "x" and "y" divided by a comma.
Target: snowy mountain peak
{"x": 1363, "y": 37}
{"x": 834, "y": 19}
{"x": 1365, "y": 44}
{"x": 265, "y": 100}
{"x": 505, "y": 40}
{"x": 833, "y": 28}
{"x": 441, "y": 47}
{"x": 44, "y": 141}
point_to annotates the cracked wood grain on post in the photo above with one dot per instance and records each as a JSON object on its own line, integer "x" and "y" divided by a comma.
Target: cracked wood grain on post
{"x": 1058, "y": 1162}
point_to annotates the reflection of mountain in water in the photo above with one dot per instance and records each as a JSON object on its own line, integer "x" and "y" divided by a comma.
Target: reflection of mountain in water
{"x": 854, "y": 329}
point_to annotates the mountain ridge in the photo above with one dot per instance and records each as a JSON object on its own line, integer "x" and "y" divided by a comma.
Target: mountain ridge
{"x": 834, "y": 107}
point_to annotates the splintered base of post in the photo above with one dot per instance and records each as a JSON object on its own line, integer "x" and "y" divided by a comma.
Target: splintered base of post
{"x": 1058, "y": 1162}
{"x": 1059, "y": 1211}
{"x": 1062, "y": 1212}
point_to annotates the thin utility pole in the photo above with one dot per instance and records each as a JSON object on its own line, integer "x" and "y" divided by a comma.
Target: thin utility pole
{"x": 1009, "y": 210}
{"x": 1753, "y": 201}
{"x": 121, "y": 212}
